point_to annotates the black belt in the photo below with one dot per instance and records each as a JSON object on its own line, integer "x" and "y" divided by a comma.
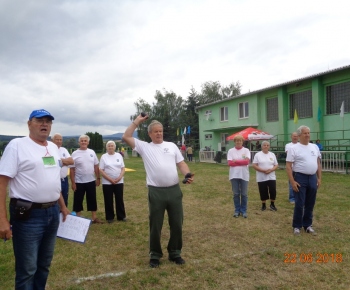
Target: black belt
{"x": 304, "y": 173}
{"x": 36, "y": 205}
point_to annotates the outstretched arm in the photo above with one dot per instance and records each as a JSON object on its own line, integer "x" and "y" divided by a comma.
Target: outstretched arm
{"x": 127, "y": 137}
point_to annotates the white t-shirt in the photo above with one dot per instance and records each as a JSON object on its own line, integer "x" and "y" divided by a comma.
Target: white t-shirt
{"x": 160, "y": 162}
{"x": 241, "y": 172}
{"x": 304, "y": 158}
{"x": 112, "y": 165}
{"x": 289, "y": 145}
{"x": 64, "y": 154}
{"x": 265, "y": 161}
{"x": 84, "y": 163}
{"x": 31, "y": 179}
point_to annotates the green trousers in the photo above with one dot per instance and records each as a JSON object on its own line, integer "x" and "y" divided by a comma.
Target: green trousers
{"x": 159, "y": 200}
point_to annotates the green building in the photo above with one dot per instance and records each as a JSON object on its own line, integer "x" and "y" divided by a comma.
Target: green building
{"x": 317, "y": 100}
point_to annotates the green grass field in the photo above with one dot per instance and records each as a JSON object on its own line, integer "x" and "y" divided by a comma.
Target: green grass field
{"x": 221, "y": 252}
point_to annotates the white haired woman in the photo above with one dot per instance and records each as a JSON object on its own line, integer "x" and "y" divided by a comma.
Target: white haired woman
{"x": 238, "y": 159}
{"x": 112, "y": 169}
{"x": 265, "y": 164}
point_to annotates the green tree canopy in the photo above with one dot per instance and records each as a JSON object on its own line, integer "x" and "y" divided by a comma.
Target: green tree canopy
{"x": 175, "y": 113}
{"x": 96, "y": 141}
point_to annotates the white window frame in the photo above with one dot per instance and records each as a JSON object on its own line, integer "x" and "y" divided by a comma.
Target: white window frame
{"x": 224, "y": 114}
{"x": 223, "y": 139}
{"x": 243, "y": 113}
{"x": 207, "y": 114}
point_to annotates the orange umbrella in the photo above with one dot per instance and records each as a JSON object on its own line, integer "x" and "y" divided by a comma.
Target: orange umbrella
{"x": 251, "y": 134}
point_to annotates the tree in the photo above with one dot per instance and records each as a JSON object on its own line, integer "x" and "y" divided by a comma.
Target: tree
{"x": 96, "y": 141}
{"x": 142, "y": 106}
{"x": 71, "y": 143}
{"x": 176, "y": 113}
{"x": 167, "y": 109}
{"x": 190, "y": 117}
{"x": 214, "y": 91}
{"x": 4, "y": 144}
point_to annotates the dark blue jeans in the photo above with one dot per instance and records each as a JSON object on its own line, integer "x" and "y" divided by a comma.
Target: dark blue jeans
{"x": 33, "y": 245}
{"x": 291, "y": 193}
{"x": 65, "y": 189}
{"x": 304, "y": 199}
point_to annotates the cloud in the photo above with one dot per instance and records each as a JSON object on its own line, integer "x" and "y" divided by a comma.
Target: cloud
{"x": 87, "y": 62}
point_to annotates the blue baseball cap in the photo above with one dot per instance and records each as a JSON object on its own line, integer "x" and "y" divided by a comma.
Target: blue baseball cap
{"x": 40, "y": 113}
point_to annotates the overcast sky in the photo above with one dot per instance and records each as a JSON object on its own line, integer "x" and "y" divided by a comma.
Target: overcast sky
{"x": 87, "y": 62}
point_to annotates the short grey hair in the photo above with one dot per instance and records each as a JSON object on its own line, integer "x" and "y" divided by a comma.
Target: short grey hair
{"x": 56, "y": 134}
{"x": 301, "y": 128}
{"x": 111, "y": 142}
{"x": 265, "y": 142}
{"x": 153, "y": 123}
{"x": 84, "y": 137}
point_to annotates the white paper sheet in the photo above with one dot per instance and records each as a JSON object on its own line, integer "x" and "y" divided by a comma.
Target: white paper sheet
{"x": 74, "y": 228}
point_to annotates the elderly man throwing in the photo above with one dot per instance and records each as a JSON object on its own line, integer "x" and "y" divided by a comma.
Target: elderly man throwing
{"x": 160, "y": 160}
{"x": 304, "y": 172}
{"x": 31, "y": 168}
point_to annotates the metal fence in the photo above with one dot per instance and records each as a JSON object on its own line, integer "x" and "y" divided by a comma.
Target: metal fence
{"x": 207, "y": 156}
{"x": 332, "y": 161}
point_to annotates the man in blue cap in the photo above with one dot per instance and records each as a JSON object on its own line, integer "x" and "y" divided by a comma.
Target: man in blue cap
{"x": 31, "y": 167}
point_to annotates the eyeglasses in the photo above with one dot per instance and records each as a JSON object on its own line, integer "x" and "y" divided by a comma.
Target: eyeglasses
{"x": 42, "y": 121}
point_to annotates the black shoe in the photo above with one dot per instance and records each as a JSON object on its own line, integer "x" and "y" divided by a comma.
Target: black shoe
{"x": 110, "y": 221}
{"x": 154, "y": 263}
{"x": 263, "y": 207}
{"x": 177, "y": 261}
{"x": 273, "y": 208}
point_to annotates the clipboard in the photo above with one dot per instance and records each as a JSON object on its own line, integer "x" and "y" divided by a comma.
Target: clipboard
{"x": 75, "y": 228}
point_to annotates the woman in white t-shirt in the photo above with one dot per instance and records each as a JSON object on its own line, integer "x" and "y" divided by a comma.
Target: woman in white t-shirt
{"x": 112, "y": 169}
{"x": 238, "y": 159}
{"x": 265, "y": 164}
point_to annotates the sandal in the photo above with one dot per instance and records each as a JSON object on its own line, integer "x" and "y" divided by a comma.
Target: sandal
{"x": 97, "y": 221}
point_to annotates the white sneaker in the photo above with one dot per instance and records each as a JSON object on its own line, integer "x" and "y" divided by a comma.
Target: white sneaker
{"x": 296, "y": 231}
{"x": 311, "y": 231}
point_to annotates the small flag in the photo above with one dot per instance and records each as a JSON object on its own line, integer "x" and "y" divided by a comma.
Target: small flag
{"x": 342, "y": 110}
{"x": 295, "y": 116}
{"x": 185, "y": 130}
{"x": 183, "y": 140}
{"x": 319, "y": 114}
{"x": 177, "y": 132}
{"x": 181, "y": 132}
{"x": 188, "y": 130}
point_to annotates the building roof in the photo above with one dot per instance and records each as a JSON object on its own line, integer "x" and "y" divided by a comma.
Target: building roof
{"x": 278, "y": 85}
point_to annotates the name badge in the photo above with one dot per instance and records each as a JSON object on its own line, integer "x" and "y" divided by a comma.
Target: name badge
{"x": 49, "y": 161}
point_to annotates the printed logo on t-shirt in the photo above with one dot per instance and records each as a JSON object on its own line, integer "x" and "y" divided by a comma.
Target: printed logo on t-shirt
{"x": 271, "y": 159}
{"x": 243, "y": 156}
{"x": 64, "y": 154}
{"x": 166, "y": 150}
{"x": 313, "y": 153}
{"x": 117, "y": 160}
{"x": 91, "y": 155}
